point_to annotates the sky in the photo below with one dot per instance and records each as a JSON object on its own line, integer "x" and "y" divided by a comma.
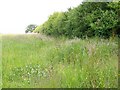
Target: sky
{"x": 16, "y": 15}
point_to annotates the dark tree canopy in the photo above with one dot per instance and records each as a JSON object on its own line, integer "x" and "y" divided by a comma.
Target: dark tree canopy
{"x": 30, "y": 28}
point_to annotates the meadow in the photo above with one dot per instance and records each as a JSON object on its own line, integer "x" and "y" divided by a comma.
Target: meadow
{"x": 38, "y": 61}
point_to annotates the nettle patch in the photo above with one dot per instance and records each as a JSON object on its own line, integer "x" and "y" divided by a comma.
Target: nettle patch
{"x": 30, "y": 73}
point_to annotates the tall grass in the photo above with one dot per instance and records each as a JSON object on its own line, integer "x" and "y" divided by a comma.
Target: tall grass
{"x": 41, "y": 62}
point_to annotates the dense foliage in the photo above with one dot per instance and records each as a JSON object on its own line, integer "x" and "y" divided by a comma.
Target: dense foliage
{"x": 87, "y": 20}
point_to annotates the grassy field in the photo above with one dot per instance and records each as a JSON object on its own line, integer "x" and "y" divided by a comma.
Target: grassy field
{"x": 37, "y": 61}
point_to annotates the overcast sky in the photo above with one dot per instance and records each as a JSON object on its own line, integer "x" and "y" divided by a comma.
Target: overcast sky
{"x": 15, "y": 15}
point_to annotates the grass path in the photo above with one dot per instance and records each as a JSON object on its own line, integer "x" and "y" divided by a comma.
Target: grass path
{"x": 38, "y": 61}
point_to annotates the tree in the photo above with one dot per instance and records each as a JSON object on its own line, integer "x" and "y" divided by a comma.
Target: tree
{"x": 30, "y": 28}
{"x": 55, "y": 24}
{"x": 89, "y": 19}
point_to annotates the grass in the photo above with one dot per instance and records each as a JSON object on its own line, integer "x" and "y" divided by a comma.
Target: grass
{"x": 37, "y": 61}
{"x": 0, "y": 61}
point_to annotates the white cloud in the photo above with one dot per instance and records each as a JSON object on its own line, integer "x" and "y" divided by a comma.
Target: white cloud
{"x": 15, "y": 15}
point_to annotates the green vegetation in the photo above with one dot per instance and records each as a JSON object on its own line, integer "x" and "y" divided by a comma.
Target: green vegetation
{"x": 89, "y": 19}
{"x": 30, "y": 28}
{"x": 0, "y": 61}
{"x": 80, "y": 51}
{"x": 36, "y": 61}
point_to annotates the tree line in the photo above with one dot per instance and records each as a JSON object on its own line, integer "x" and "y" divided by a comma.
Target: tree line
{"x": 89, "y": 19}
